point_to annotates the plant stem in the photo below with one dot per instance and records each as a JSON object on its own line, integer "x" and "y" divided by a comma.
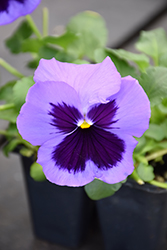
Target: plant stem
{"x": 7, "y": 133}
{"x": 156, "y": 154}
{"x": 3, "y": 132}
{"x": 33, "y": 26}
{"x": 7, "y": 106}
{"x": 45, "y": 21}
{"x": 10, "y": 69}
{"x": 158, "y": 184}
{"x": 135, "y": 176}
{"x": 28, "y": 145}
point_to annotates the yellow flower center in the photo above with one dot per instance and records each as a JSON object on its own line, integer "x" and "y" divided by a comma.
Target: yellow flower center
{"x": 85, "y": 125}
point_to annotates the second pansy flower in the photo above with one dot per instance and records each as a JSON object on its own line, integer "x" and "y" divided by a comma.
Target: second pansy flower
{"x": 84, "y": 118}
{"x": 13, "y": 9}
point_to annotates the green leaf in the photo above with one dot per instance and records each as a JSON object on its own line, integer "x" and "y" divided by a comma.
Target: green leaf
{"x": 149, "y": 146}
{"x": 14, "y": 43}
{"x": 10, "y": 146}
{"x": 63, "y": 40}
{"x": 6, "y": 92}
{"x": 33, "y": 64}
{"x": 162, "y": 144}
{"x": 20, "y": 90}
{"x": 163, "y": 60}
{"x": 164, "y": 127}
{"x": 162, "y": 108}
{"x": 157, "y": 116}
{"x": 164, "y": 102}
{"x": 153, "y": 43}
{"x": 123, "y": 67}
{"x": 91, "y": 30}
{"x": 31, "y": 45}
{"x": 145, "y": 172}
{"x": 155, "y": 132}
{"x": 47, "y": 52}
{"x": 9, "y": 115}
{"x": 154, "y": 83}
{"x": 78, "y": 61}
{"x": 36, "y": 172}
{"x": 12, "y": 131}
{"x": 140, "y": 158}
{"x": 97, "y": 189}
{"x": 140, "y": 59}
{"x": 140, "y": 145}
{"x": 63, "y": 56}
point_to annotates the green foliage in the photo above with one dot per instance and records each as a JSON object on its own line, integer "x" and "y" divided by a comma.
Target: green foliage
{"x": 122, "y": 65}
{"x": 91, "y": 32}
{"x": 20, "y": 90}
{"x": 153, "y": 144}
{"x": 154, "y": 82}
{"x": 14, "y": 94}
{"x": 10, "y": 146}
{"x": 9, "y": 115}
{"x": 62, "y": 56}
{"x": 63, "y": 41}
{"x": 47, "y": 52}
{"x": 163, "y": 60}
{"x": 141, "y": 60}
{"x": 14, "y": 140}
{"x": 153, "y": 43}
{"x": 155, "y": 132}
{"x": 85, "y": 32}
{"x": 12, "y": 137}
{"x": 157, "y": 116}
{"x": 14, "y": 43}
{"x": 146, "y": 172}
{"x": 31, "y": 45}
{"x": 33, "y": 64}
{"x": 36, "y": 172}
{"x": 98, "y": 189}
{"x": 6, "y": 91}
{"x": 78, "y": 61}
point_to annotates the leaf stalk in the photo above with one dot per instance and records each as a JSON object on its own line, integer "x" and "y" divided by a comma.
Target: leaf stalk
{"x": 33, "y": 27}
{"x": 10, "y": 69}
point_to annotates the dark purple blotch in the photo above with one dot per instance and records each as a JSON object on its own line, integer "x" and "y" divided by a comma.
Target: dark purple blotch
{"x": 102, "y": 147}
{"x": 105, "y": 149}
{"x": 102, "y": 115}
{"x": 64, "y": 117}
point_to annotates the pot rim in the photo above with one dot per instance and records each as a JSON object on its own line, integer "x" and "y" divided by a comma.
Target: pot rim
{"x": 145, "y": 187}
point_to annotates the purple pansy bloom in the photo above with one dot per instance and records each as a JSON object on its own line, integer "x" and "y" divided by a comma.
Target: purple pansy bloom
{"x": 12, "y": 9}
{"x": 84, "y": 118}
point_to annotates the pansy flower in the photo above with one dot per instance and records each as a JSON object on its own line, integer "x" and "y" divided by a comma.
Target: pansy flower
{"x": 84, "y": 118}
{"x": 12, "y": 9}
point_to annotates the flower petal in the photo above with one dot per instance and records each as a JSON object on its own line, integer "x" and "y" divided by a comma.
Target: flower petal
{"x": 16, "y": 8}
{"x": 103, "y": 115}
{"x": 91, "y": 150}
{"x": 133, "y": 111}
{"x": 36, "y": 122}
{"x": 93, "y": 82}
{"x": 62, "y": 176}
{"x": 65, "y": 117}
{"x": 124, "y": 167}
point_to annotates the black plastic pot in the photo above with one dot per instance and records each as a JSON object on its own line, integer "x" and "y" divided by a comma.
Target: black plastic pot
{"x": 59, "y": 214}
{"x": 135, "y": 218}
